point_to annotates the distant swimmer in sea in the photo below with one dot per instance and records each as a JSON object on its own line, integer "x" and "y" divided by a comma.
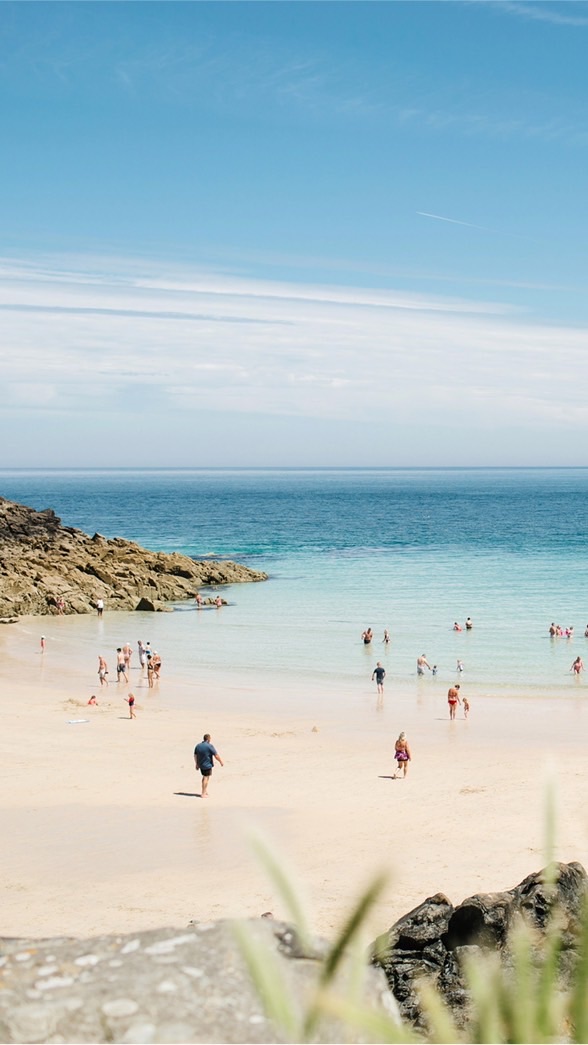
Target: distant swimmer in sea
{"x": 558, "y": 629}
{"x": 402, "y": 755}
{"x": 577, "y": 666}
{"x": 379, "y": 674}
{"x": 459, "y": 666}
{"x": 218, "y": 602}
{"x": 386, "y": 638}
{"x": 457, "y": 626}
{"x": 367, "y": 636}
{"x": 453, "y": 700}
{"x": 199, "y": 600}
{"x": 469, "y": 624}
{"x": 422, "y": 663}
{"x": 466, "y": 707}
{"x": 553, "y": 630}
{"x": 569, "y": 633}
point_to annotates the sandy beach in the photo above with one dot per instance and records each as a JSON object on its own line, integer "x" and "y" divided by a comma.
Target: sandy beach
{"x": 105, "y": 831}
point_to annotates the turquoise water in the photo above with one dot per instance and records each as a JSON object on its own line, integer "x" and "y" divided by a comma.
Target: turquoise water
{"x": 408, "y": 550}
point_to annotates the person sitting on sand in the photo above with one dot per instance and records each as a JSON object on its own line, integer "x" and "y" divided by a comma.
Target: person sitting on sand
{"x": 93, "y": 700}
{"x": 577, "y": 666}
{"x": 453, "y": 700}
{"x": 402, "y": 755}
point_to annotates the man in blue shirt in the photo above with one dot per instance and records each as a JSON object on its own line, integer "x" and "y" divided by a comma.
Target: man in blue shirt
{"x": 204, "y": 755}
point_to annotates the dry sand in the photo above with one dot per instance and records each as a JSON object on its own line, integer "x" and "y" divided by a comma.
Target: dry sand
{"x": 104, "y": 831}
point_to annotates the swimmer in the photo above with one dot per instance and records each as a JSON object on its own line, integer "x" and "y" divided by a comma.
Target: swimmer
{"x": 457, "y": 627}
{"x": 367, "y": 636}
{"x": 553, "y": 630}
{"x": 469, "y": 624}
{"x": 386, "y": 638}
{"x": 577, "y": 666}
{"x": 434, "y": 669}
{"x": 218, "y": 602}
{"x": 459, "y": 666}
{"x": 402, "y": 755}
{"x": 453, "y": 700}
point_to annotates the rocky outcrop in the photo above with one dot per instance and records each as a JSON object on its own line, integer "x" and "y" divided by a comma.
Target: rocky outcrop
{"x": 431, "y": 941}
{"x": 160, "y": 986}
{"x": 49, "y": 568}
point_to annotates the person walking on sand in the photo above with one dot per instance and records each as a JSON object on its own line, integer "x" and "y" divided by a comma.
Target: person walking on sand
{"x": 422, "y": 663}
{"x": 102, "y": 671}
{"x": 42, "y": 643}
{"x": 131, "y": 702}
{"x": 466, "y": 707}
{"x": 453, "y": 700}
{"x": 120, "y": 665}
{"x": 204, "y": 755}
{"x": 402, "y": 755}
{"x": 379, "y": 674}
{"x": 577, "y": 666}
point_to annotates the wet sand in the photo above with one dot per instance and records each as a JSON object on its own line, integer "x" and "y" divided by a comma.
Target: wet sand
{"x": 104, "y": 828}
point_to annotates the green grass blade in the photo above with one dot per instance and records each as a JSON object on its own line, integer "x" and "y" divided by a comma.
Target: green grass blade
{"x": 269, "y": 983}
{"x": 352, "y": 926}
{"x": 283, "y": 883}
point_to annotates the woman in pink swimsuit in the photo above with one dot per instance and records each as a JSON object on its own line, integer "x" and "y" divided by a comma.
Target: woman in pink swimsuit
{"x": 402, "y": 755}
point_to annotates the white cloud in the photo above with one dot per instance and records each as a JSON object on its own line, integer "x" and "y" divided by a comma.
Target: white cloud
{"x": 194, "y": 340}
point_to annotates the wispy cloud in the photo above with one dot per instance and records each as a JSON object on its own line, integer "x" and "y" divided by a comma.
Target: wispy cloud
{"x": 556, "y": 14}
{"x": 453, "y": 221}
{"x": 197, "y": 340}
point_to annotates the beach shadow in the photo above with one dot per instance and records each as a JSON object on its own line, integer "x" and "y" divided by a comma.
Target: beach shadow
{"x": 383, "y": 776}
{"x": 187, "y": 794}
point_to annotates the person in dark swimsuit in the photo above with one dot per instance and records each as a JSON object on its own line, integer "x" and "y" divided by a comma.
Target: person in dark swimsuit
{"x": 367, "y": 636}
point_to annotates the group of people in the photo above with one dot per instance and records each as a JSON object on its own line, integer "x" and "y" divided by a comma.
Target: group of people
{"x": 149, "y": 660}
{"x": 556, "y": 631}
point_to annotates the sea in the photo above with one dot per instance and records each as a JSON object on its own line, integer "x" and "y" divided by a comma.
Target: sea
{"x": 408, "y": 550}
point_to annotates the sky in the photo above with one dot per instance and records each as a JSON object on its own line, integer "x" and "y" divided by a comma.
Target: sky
{"x": 292, "y": 234}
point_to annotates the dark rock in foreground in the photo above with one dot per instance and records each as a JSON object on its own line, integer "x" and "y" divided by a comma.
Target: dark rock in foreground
{"x": 166, "y": 985}
{"x": 44, "y": 564}
{"x": 431, "y": 941}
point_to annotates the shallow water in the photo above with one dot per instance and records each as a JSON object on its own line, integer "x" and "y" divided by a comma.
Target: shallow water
{"x": 408, "y": 550}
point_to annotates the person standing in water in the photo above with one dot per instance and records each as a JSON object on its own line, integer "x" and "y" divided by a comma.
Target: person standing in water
{"x": 367, "y": 636}
{"x": 577, "y": 666}
{"x": 402, "y": 755}
{"x": 422, "y": 663}
{"x": 379, "y": 674}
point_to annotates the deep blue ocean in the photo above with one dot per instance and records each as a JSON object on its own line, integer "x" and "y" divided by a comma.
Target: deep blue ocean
{"x": 408, "y": 550}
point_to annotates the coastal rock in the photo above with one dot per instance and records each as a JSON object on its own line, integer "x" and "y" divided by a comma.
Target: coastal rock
{"x": 432, "y": 940}
{"x": 49, "y": 568}
{"x": 165, "y": 985}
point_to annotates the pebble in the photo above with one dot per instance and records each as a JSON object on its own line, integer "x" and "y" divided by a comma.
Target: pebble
{"x": 132, "y": 945}
{"x": 54, "y": 981}
{"x": 166, "y": 987}
{"x": 87, "y": 959}
{"x": 165, "y": 946}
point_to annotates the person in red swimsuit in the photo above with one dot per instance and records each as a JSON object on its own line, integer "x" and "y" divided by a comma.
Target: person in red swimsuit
{"x": 453, "y": 700}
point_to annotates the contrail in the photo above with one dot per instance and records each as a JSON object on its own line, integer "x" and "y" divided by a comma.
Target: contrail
{"x": 454, "y": 221}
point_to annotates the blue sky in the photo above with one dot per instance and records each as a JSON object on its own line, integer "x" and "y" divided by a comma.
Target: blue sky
{"x": 260, "y": 234}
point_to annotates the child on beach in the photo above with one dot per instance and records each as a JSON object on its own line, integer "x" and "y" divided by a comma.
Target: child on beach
{"x": 131, "y": 702}
{"x": 466, "y": 707}
{"x": 434, "y": 669}
{"x": 93, "y": 700}
{"x": 402, "y": 755}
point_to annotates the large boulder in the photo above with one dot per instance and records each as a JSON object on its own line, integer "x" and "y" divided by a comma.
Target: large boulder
{"x": 49, "y": 568}
{"x": 163, "y": 986}
{"x": 432, "y": 941}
